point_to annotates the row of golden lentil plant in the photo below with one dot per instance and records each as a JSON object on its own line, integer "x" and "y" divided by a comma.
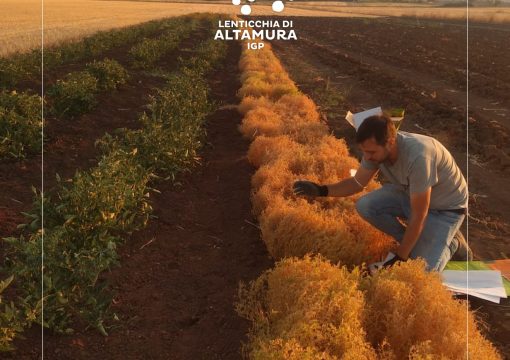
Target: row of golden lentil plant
{"x": 317, "y": 303}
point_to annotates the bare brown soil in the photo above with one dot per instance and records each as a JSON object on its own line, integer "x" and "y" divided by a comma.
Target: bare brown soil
{"x": 355, "y": 64}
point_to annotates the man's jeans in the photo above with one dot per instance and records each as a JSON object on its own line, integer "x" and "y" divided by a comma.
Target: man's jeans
{"x": 435, "y": 244}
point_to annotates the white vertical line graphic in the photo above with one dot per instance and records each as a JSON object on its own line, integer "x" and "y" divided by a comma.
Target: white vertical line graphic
{"x": 467, "y": 171}
{"x": 42, "y": 179}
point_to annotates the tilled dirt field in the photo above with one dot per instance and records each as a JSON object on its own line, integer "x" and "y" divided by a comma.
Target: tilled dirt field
{"x": 356, "y": 64}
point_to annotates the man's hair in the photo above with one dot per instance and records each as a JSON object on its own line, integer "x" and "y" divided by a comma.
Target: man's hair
{"x": 380, "y": 127}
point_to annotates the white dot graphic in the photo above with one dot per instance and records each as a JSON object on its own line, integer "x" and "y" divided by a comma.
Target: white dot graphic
{"x": 236, "y": 2}
{"x": 246, "y": 9}
{"x": 278, "y": 6}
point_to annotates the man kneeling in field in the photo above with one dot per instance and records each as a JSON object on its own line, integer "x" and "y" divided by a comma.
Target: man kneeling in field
{"x": 426, "y": 188}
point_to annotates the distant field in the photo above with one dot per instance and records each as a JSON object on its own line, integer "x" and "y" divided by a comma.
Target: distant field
{"x": 478, "y": 14}
{"x": 20, "y": 29}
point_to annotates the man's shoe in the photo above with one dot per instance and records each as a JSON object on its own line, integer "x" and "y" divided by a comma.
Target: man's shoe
{"x": 463, "y": 252}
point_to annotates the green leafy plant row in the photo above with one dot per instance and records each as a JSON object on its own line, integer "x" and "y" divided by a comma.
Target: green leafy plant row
{"x": 21, "y": 113}
{"x": 76, "y": 94}
{"x": 12, "y": 319}
{"x": 172, "y": 130}
{"x": 109, "y": 74}
{"x": 20, "y": 124}
{"x": 147, "y": 52}
{"x": 87, "y": 217}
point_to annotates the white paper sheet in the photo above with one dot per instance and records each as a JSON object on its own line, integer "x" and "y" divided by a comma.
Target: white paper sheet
{"x": 357, "y": 119}
{"x": 486, "y": 284}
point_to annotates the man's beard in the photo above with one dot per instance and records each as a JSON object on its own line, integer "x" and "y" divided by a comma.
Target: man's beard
{"x": 385, "y": 159}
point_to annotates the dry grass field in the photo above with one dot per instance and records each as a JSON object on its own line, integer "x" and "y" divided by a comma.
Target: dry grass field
{"x": 20, "y": 29}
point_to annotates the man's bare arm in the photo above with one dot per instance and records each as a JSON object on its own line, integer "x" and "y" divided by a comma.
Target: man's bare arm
{"x": 352, "y": 185}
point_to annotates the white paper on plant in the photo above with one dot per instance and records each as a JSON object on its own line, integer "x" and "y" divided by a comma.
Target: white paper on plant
{"x": 485, "y": 284}
{"x": 357, "y": 119}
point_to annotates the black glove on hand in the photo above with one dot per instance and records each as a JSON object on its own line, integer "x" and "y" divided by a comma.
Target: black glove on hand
{"x": 309, "y": 188}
